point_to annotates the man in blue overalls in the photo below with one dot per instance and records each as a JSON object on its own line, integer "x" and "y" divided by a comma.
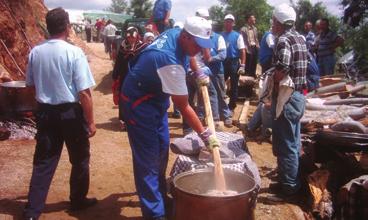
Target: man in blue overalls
{"x": 235, "y": 51}
{"x": 158, "y": 73}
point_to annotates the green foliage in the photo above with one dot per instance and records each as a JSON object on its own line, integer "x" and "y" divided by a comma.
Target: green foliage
{"x": 307, "y": 12}
{"x": 118, "y": 6}
{"x": 140, "y": 8}
{"x": 242, "y": 9}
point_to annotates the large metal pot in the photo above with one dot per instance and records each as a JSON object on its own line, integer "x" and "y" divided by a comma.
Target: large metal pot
{"x": 192, "y": 203}
{"x": 15, "y": 97}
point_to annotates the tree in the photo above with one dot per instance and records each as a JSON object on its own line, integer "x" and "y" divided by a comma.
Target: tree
{"x": 242, "y": 9}
{"x": 118, "y": 6}
{"x": 307, "y": 12}
{"x": 216, "y": 13}
{"x": 356, "y": 32}
{"x": 140, "y": 8}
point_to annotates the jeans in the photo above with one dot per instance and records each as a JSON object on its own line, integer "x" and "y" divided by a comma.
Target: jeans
{"x": 286, "y": 141}
{"x": 326, "y": 64}
{"x": 261, "y": 117}
{"x": 57, "y": 124}
{"x": 231, "y": 66}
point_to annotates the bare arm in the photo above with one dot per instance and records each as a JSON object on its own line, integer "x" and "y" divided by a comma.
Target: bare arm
{"x": 193, "y": 64}
{"x": 87, "y": 106}
{"x": 181, "y": 102}
{"x": 242, "y": 56}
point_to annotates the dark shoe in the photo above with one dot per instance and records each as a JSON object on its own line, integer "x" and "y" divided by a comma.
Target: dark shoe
{"x": 80, "y": 205}
{"x": 29, "y": 218}
{"x": 275, "y": 188}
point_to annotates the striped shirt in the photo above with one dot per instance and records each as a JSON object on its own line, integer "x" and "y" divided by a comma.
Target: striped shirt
{"x": 325, "y": 42}
{"x": 291, "y": 56}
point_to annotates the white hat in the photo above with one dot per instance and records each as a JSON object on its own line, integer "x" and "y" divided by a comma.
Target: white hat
{"x": 147, "y": 35}
{"x": 178, "y": 24}
{"x": 284, "y": 13}
{"x": 229, "y": 16}
{"x": 200, "y": 28}
{"x": 201, "y": 12}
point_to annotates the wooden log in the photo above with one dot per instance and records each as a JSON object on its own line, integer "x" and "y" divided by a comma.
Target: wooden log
{"x": 351, "y": 101}
{"x": 243, "y": 117}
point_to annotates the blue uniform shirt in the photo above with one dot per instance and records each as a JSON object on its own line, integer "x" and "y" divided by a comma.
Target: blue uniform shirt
{"x": 160, "y": 69}
{"x": 160, "y": 9}
{"x": 234, "y": 42}
{"x": 218, "y": 53}
{"x": 265, "y": 52}
{"x": 58, "y": 70}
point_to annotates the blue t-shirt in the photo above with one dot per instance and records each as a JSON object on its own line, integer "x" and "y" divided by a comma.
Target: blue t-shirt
{"x": 160, "y": 68}
{"x": 216, "y": 66}
{"x": 160, "y": 9}
{"x": 58, "y": 70}
{"x": 265, "y": 52}
{"x": 232, "y": 41}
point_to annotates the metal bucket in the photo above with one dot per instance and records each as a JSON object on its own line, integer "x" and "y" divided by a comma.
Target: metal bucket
{"x": 16, "y": 97}
{"x": 192, "y": 203}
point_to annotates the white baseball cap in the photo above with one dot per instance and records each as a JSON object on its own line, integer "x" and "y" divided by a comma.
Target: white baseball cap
{"x": 229, "y": 16}
{"x": 201, "y": 29}
{"x": 178, "y": 24}
{"x": 201, "y": 12}
{"x": 284, "y": 13}
{"x": 147, "y": 35}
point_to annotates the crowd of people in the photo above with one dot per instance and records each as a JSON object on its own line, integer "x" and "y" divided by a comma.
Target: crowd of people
{"x": 170, "y": 62}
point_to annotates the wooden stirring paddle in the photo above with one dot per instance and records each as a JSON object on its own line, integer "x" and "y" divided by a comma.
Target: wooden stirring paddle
{"x": 220, "y": 183}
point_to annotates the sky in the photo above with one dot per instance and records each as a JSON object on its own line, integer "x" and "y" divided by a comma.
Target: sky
{"x": 180, "y": 8}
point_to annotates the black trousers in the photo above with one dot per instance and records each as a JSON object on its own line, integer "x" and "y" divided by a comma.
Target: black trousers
{"x": 88, "y": 34}
{"x": 252, "y": 58}
{"x": 231, "y": 67}
{"x": 57, "y": 124}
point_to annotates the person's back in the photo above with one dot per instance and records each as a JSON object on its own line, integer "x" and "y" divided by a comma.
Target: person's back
{"x": 60, "y": 74}
{"x": 56, "y": 62}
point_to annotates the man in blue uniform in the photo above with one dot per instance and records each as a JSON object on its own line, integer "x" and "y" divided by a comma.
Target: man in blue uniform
{"x": 161, "y": 14}
{"x": 218, "y": 55}
{"x": 60, "y": 74}
{"x": 235, "y": 51}
{"x": 158, "y": 73}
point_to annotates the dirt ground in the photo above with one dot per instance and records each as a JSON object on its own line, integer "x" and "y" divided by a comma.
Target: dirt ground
{"x": 111, "y": 166}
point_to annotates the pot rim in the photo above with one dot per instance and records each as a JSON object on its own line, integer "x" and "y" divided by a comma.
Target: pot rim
{"x": 206, "y": 170}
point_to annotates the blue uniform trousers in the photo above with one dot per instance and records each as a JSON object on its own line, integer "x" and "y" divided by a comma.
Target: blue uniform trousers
{"x": 57, "y": 124}
{"x": 220, "y": 107}
{"x": 286, "y": 141}
{"x": 231, "y": 66}
{"x": 148, "y": 132}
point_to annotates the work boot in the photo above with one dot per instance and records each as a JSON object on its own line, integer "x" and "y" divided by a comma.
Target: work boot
{"x": 83, "y": 204}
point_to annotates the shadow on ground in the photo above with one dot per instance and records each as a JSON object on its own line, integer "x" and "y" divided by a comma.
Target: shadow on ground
{"x": 105, "y": 85}
{"x": 112, "y": 125}
{"x": 108, "y": 208}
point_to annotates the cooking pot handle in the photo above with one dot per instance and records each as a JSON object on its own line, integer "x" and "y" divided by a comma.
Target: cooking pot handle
{"x": 198, "y": 166}
{"x": 253, "y": 198}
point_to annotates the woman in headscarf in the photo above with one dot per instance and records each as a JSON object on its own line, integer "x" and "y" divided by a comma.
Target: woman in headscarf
{"x": 129, "y": 48}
